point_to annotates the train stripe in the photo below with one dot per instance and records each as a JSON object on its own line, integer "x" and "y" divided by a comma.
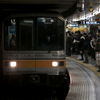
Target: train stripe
{"x": 34, "y": 63}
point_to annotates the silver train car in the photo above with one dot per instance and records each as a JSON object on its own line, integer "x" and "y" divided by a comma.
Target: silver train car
{"x": 34, "y": 50}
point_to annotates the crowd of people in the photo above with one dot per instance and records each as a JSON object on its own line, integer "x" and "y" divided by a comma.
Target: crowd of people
{"x": 84, "y": 44}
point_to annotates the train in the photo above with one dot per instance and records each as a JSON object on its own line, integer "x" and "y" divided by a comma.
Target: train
{"x": 34, "y": 50}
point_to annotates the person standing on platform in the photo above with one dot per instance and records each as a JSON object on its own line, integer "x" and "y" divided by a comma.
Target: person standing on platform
{"x": 73, "y": 44}
{"x": 97, "y": 49}
{"x": 67, "y": 52}
{"x": 77, "y": 42}
{"x": 90, "y": 49}
{"x": 81, "y": 47}
{"x": 92, "y": 44}
{"x": 69, "y": 44}
{"x": 85, "y": 47}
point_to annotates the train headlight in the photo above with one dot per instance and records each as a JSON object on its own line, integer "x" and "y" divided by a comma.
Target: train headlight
{"x": 13, "y": 64}
{"x": 54, "y": 64}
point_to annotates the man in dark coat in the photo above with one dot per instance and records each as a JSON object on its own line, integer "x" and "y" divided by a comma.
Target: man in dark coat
{"x": 69, "y": 44}
{"x": 86, "y": 47}
{"x": 77, "y": 43}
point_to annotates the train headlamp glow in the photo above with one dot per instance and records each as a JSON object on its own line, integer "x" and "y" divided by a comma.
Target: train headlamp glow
{"x": 54, "y": 64}
{"x": 13, "y": 64}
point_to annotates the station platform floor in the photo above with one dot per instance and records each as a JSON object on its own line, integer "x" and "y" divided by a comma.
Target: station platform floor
{"x": 85, "y": 80}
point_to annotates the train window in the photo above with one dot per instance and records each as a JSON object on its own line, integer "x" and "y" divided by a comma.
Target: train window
{"x": 19, "y": 34}
{"x": 10, "y": 35}
{"x": 26, "y": 34}
{"x": 50, "y": 34}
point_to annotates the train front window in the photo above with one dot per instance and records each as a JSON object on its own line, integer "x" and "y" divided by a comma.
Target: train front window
{"x": 10, "y": 35}
{"x": 29, "y": 34}
{"x": 50, "y": 34}
{"x": 26, "y": 34}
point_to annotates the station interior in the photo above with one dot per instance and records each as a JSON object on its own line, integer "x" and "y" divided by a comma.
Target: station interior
{"x": 79, "y": 15}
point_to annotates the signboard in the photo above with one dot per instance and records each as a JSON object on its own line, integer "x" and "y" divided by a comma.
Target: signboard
{"x": 11, "y": 32}
{"x": 12, "y": 29}
{"x": 73, "y": 25}
{"x": 45, "y": 21}
{"x": 91, "y": 7}
{"x": 87, "y": 22}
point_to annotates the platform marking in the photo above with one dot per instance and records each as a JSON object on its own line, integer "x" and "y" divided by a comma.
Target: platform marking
{"x": 87, "y": 65}
{"x": 82, "y": 87}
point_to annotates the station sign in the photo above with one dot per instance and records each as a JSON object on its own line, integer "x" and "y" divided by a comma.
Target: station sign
{"x": 12, "y": 29}
{"x": 73, "y": 25}
{"x": 72, "y": 22}
{"x": 90, "y": 22}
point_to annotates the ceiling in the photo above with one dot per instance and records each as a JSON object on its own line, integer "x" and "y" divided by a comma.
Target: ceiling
{"x": 63, "y": 7}
{"x": 85, "y": 13}
{"x": 67, "y": 8}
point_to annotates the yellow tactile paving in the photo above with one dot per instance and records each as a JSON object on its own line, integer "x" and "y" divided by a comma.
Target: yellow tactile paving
{"x": 87, "y": 65}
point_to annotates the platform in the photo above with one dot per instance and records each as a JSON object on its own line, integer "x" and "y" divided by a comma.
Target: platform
{"x": 85, "y": 80}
